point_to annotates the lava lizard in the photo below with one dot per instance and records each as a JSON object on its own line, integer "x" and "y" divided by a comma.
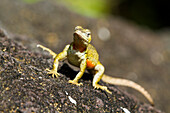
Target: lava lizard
{"x": 82, "y": 54}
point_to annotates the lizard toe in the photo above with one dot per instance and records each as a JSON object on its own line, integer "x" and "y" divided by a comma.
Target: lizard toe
{"x": 53, "y": 73}
{"x": 75, "y": 82}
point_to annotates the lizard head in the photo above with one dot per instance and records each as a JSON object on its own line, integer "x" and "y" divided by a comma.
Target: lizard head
{"x": 82, "y": 36}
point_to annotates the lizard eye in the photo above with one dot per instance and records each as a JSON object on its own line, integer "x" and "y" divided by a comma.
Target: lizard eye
{"x": 88, "y": 34}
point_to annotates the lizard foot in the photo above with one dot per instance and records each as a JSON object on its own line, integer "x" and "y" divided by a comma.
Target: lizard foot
{"x": 54, "y": 73}
{"x": 75, "y": 82}
{"x": 97, "y": 86}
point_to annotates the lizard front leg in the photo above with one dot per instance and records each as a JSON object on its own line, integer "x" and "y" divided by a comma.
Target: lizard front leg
{"x": 99, "y": 68}
{"x": 80, "y": 74}
{"x": 58, "y": 57}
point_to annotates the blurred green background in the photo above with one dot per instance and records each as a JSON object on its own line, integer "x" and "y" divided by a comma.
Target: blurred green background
{"x": 149, "y": 13}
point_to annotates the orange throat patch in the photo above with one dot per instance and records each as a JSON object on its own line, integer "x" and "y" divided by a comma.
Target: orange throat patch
{"x": 80, "y": 48}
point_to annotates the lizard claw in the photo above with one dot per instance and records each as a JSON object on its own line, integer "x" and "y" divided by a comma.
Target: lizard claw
{"x": 54, "y": 73}
{"x": 97, "y": 86}
{"x": 75, "y": 82}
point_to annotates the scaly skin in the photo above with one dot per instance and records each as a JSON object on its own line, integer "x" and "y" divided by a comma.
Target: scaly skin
{"x": 82, "y": 54}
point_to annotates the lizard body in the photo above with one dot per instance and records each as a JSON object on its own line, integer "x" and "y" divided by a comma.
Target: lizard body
{"x": 82, "y": 54}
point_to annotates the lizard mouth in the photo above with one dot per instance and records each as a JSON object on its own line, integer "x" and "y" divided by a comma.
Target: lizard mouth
{"x": 80, "y": 36}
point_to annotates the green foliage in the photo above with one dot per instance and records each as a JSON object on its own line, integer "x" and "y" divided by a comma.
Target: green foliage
{"x": 93, "y": 8}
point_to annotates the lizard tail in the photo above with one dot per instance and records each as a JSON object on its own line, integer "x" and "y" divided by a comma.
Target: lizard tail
{"x": 128, "y": 83}
{"x": 47, "y": 49}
